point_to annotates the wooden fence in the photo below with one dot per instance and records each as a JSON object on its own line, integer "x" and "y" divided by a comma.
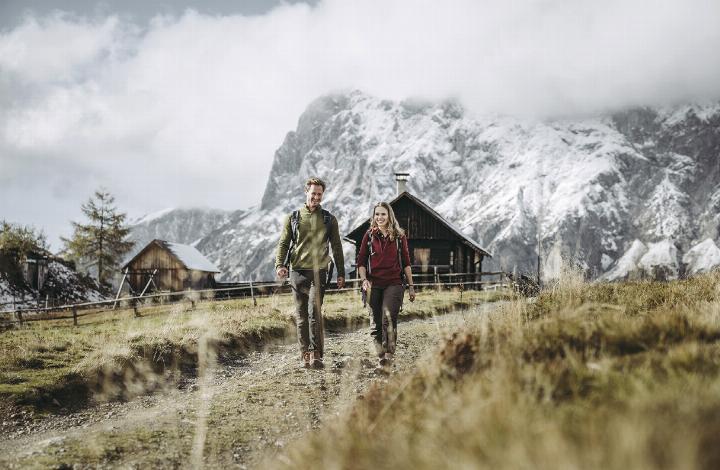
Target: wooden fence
{"x": 253, "y": 290}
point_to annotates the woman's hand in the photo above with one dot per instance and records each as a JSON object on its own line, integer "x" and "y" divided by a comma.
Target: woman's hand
{"x": 366, "y": 285}
{"x": 411, "y": 293}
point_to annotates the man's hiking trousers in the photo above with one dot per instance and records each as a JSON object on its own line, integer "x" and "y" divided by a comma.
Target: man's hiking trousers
{"x": 309, "y": 290}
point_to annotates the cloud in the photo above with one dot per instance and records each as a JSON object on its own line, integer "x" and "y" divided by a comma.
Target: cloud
{"x": 58, "y": 47}
{"x": 189, "y": 110}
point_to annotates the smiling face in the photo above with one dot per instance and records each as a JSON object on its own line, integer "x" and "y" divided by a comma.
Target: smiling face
{"x": 380, "y": 215}
{"x": 313, "y": 196}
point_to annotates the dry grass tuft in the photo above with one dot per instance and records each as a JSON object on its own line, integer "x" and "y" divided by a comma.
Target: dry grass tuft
{"x": 587, "y": 376}
{"x": 459, "y": 354}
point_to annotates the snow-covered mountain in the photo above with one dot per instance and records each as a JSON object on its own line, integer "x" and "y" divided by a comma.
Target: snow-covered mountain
{"x": 637, "y": 190}
{"x": 185, "y": 226}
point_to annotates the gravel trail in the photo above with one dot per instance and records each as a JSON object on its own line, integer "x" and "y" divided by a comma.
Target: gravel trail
{"x": 234, "y": 414}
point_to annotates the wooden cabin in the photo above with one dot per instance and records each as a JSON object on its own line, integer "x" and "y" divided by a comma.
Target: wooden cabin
{"x": 436, "y": 245}
{"x": 35, "y": 268}
{"x": 30, "y": 266}
{"x": 172, "y": 266}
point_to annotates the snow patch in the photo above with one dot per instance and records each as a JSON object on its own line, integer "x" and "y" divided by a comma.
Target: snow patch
{"x": 662, "y": 253}
{"x": 676, "y": 115}
{"x": 628, "y": 262}
{"x": 553, "y": 265}
{"x": 702, "y": 258}
{"x": 152, "y": 216}
{"x": 605, "y": 261}
{"x": 191, "y": 257}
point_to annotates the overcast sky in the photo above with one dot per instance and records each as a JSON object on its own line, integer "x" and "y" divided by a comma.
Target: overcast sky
{"x": 181, "y": 103}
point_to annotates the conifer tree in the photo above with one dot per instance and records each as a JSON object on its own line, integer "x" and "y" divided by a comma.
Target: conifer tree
{"x": 101, "y": 241}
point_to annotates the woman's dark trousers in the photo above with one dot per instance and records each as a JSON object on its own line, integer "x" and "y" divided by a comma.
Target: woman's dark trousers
{"x": 385, "y": 303}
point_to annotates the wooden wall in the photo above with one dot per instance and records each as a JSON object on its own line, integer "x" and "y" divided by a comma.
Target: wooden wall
{"x": 424, "y": 233}
{"x": 418, "y": 223}
{"x": 171, "y": 275}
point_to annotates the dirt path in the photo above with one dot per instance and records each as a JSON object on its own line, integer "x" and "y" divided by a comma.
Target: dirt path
{"x": 234, "y": 414}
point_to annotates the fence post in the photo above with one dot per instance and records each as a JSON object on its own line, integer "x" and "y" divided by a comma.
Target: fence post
{"x": 19, "y": 316}
{"x": 135, "y": 308}
{"x": 252, "y": 293}
{"x": 74, "y": 315}
{"x": 192, "y": 304}
{"x": 462, "y": 288}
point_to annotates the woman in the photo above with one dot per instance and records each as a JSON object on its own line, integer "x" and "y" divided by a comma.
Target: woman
{"x": 384, "y": 266}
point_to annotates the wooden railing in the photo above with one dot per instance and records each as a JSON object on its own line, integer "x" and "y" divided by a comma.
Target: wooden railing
{"x": 253, "y": 290}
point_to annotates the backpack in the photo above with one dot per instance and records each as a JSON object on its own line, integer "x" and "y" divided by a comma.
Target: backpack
{"x": 295, "y": 228}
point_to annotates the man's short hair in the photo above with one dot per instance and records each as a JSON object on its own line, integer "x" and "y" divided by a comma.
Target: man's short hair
{"x": 316, "y": 182}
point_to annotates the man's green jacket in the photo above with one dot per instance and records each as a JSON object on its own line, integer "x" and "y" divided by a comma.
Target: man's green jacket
{"x": 311, "y": 250}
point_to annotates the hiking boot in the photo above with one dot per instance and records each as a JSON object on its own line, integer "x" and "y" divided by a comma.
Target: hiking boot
{"x": 317, "y": 361}
{"x": 306, "y": 359}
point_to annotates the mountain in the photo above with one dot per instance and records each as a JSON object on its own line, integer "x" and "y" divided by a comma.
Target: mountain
{"x": 637, "y": 190}
{"x": 185, "y": 226}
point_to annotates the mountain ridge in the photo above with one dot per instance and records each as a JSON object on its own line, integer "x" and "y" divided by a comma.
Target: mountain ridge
{"x": 583, "y": 190}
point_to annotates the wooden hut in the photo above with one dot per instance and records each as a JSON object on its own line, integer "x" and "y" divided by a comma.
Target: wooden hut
{"x": 436, "y": 245}
{"x": 35, "y": 268}
{"x": 171, "y": 267}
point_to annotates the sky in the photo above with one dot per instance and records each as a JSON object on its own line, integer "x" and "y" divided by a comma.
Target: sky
{"x": 183, "y": 104}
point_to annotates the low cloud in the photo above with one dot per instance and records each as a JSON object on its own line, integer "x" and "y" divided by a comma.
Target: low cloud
{"x": 189, "y": 110}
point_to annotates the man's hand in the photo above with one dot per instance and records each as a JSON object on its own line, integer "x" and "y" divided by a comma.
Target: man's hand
{"x": 411, "y": 292}
{"x": 340, "y": 282}
{"x": 282, "y": 272}
{"x": 366, "y": 285}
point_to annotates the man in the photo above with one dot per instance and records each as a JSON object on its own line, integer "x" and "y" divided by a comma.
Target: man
{"x": 303, "y": 254}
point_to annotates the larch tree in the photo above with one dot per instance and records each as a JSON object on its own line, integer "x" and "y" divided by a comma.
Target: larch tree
{"x": 101, "y": 242}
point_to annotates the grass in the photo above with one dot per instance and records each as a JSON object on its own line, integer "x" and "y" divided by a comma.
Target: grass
{"x": 587, "y": 376}
{"x": 112, "y": 354}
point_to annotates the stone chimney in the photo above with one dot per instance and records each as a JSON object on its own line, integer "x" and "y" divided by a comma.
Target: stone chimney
{"x": 401, "y": 180}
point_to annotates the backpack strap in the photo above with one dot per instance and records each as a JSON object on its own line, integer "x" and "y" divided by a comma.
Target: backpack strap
{"x": 401, "y": 261}
{"x": 371, "y": 251}
{"x": 294, "y": 228}
{"x": 294, "y": 225}
{"x": 398, "y": 244}
{"x": 327, "y": 221}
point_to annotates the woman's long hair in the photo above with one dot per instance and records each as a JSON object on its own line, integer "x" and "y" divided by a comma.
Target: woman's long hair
{"x": 394, "y": 230}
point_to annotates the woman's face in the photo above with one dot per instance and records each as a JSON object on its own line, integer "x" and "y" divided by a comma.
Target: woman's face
{"x": 381, "y": 217}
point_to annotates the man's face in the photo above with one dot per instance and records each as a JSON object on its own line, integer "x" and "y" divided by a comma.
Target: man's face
{"x": 313, "y": 196}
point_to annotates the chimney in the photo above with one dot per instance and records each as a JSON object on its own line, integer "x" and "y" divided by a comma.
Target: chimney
{"x": 401, "y": 180}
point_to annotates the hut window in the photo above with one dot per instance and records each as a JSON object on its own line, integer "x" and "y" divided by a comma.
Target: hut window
{"x": 422, "y": 257}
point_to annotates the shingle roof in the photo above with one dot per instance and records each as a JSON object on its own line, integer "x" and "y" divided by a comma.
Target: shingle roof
{"x": 450, "y": 226}
{"x": 191, "y": 257}
{"x": 188, "y": 255}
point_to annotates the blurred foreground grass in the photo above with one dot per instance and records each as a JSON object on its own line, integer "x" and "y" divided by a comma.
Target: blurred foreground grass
{"x": 109, "y": 354}
{"x": 588, "y": 376}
